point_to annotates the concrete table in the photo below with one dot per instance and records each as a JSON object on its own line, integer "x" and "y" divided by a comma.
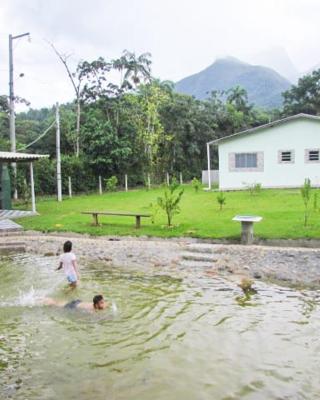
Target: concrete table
{"x": 247, "y": 222}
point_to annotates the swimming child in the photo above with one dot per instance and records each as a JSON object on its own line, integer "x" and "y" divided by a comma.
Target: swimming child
{"x": 68, "y": 262}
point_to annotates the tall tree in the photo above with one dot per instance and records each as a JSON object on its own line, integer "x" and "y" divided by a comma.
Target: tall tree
{"x": 305, "y": 96}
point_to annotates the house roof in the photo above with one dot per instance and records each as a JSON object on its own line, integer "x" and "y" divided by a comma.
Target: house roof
{"x": 269, "y": 125}
{"x": 16, "y": 157}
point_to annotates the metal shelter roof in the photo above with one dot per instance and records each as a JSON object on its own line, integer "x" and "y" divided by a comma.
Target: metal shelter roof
{"x": 6, "y": 156}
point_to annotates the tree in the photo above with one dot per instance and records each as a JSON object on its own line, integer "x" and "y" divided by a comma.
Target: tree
{"x": 76, "y": 81}
{"x": 170, "y": 200}
{"x": 305, "y": 96}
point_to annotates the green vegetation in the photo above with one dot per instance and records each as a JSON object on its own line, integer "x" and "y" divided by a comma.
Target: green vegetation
{"x": 306, "y": 197}
{"x": 282, "y": 212}
{"x": 196, "y": 184}
{"x": 221, "y": 199}
{"x": 111, "y": 183}
{"x": 170, "y": 200}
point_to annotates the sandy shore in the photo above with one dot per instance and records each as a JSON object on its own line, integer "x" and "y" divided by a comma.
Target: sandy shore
{"x": 284, "y": 265}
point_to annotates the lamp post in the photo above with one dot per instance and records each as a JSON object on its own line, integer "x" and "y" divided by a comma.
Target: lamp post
{"x": 11, "y": 103}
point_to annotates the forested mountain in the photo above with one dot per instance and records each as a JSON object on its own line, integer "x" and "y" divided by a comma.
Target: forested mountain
{"x": 263, "y": 85}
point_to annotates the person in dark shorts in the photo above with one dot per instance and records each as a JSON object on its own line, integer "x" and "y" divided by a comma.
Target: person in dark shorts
{"x": 97, "y": 304}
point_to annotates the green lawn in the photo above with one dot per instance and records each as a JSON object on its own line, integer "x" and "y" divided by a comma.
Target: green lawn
{"x": 282, "y": 212}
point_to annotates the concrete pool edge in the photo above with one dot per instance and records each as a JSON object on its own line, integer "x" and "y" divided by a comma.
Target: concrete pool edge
{"x": 287, "y": 265}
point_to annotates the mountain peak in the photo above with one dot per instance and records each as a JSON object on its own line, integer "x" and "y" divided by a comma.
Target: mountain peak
{"x": 263, "y": 85}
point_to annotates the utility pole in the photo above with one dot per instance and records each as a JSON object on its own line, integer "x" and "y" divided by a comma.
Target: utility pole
{"x": 11, "y": 104}
{"x": 59, "y": 189}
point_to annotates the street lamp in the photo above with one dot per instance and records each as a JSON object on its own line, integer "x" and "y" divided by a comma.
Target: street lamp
{"x": 11, "y": 103}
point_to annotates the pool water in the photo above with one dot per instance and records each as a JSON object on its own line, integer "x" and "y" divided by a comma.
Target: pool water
{"x": 171, "y": 335}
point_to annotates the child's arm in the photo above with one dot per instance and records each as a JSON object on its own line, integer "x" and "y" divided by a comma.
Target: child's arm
{"x": 60, "y": 266}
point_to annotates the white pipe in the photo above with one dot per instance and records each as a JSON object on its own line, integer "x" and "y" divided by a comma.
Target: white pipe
{"x": 209, "y": 167}
{"x": 33, "y": 197}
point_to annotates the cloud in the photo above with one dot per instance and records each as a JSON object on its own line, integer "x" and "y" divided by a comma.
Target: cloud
{"x": 183, "y": 36}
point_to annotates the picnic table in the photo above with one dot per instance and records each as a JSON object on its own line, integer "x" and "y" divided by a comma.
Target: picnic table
{"x": 137, "y": 216}
{"x": 247, "y": 222}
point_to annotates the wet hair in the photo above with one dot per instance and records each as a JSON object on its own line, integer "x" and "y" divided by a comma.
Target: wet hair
{"x": 67, "y": 247}
{"x": 96, "y": 299}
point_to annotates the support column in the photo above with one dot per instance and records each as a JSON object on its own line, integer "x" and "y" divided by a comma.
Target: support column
{"x": 70, "y": 186}
{"x": 246, "y": 232}
{"x": 33, "y": 197}
{"x": 209, "y": 166}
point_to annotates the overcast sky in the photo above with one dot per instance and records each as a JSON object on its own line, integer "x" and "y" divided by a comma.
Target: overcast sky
{"x": 183, "y": 36}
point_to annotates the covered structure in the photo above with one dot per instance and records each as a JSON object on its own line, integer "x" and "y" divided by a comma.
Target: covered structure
{"x": 7, "y": 157}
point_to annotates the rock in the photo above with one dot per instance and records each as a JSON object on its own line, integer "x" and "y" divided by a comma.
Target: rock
{"x": 49, "y": 254}
{"x": 257, "y": 275}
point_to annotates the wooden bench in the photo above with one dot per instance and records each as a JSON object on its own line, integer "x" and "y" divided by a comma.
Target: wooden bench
{"x": 138, "y": 216}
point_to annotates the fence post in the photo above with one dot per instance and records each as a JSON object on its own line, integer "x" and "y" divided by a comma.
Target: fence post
{"x": 126, "y": 182}
{"x": 149, "y": 181}
{"x": 70, "y": 186}
{"x": 181, "y": 180}
{"x": 100, "y": 185}
{"x": 168, "y": 179}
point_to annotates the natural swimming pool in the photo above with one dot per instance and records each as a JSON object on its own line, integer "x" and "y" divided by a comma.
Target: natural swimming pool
{"x": 175, "y": 335}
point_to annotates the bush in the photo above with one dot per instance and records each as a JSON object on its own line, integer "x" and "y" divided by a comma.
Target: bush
{"x": 254, "y": 188}
{"x": 306, "y": 196}
{"x": 221, "y": 199}
{"x": 196, "y": 184}
{"x": 111, "y": 183}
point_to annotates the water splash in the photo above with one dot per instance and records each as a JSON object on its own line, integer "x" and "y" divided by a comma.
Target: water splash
{"x": 114, "y": 308}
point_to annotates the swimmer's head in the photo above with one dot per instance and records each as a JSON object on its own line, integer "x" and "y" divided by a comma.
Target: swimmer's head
{"x": 67, "y": 247}
{"x": 98, "y": 302}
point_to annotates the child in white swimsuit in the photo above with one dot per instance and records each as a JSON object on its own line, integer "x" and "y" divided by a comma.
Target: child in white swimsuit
{"x": 68, "y": 262}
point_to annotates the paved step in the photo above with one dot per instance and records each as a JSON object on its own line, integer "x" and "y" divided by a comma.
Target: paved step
{"x": 200, "y": 248}
{"x": 8, "y": 249}
{"x": 195, "y": 264}
{"x": 11, "y": 244}
{"x": 199, "y": 257}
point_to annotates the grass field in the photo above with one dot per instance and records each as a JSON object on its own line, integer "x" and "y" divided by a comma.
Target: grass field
{"x": 282, "y": 212}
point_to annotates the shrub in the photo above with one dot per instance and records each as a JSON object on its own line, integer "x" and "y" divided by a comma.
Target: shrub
{"x": 221, "y": 199}
{"x": 170, "y": 200}
{"x": 111, "y": 183}
{"x": 196, "y": 184}
{"x": 306, "y": 196}
{"x": 254, "y": 188}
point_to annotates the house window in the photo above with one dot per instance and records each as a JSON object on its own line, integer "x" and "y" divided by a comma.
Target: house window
{"x": 246, "y": 160}
{"x": 313, "y": 155}
{"x": 286, "y": 156}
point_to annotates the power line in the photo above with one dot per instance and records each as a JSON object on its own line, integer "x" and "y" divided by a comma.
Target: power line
{"x": 38, "y": 138}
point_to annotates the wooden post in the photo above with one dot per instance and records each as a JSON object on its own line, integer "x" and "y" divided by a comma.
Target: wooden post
{"x": 149, "y": 181}
{"x": 59, "y": 185}
{"x": 209, "y": 167}
{"x": 181, "y": 180}
{"x": 126, "y": 182}
{"x": 100, "y": 185}
{"x": 70, "y": 186}
{"x": 33, "y": 197}
{"x": 168, "y": 179}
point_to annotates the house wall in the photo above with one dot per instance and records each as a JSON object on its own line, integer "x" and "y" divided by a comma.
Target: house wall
{"x": 296, "y": 135}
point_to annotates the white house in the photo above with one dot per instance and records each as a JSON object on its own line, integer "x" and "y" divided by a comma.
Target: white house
{"x": 281, "y": 154}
